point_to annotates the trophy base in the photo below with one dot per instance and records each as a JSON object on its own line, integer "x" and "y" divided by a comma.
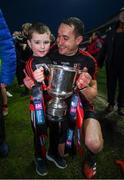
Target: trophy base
{"x": 55, "y": 118}
{"x": 56, "y": 109}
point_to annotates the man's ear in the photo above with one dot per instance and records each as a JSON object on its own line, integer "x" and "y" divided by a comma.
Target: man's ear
{"x": 79, "y": 39}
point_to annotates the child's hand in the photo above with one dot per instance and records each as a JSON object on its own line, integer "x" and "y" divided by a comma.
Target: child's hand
{"x": 38, "y": 74}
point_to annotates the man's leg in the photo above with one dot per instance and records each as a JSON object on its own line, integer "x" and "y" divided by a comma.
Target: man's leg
{"x": 94, "y": 144}
{"x": 93, "y": 135}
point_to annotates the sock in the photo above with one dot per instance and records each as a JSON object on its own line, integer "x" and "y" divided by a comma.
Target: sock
{"x": 90, "y": 157}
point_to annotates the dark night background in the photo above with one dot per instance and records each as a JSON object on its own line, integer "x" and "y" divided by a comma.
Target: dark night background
{"x": 93, "y": 12}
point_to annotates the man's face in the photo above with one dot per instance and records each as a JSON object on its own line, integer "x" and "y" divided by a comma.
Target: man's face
{"x": 121, "y": 16}
{"x": 67, "y": 41}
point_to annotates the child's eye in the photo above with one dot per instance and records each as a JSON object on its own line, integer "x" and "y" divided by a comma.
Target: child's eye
{"x": 46, "y": 42}
{"x": 37, "y": 42}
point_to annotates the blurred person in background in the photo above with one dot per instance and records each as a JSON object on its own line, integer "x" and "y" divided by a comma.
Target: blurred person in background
{"x": 95, "y": 44}
{"x": 7, "y": 72}
{"x": 23, "y": 53}
{"x": 112, "y": 53}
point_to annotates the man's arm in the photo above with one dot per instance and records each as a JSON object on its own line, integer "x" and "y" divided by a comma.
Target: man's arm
{"x": 90, "y": 92}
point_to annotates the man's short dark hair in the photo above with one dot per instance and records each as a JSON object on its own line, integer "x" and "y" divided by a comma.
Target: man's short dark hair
{"x": 77, "y": 23}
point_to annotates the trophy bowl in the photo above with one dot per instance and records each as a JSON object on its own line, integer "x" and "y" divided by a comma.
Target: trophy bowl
{"x": 61, "y": 81}
{"x": 60, "y": 87}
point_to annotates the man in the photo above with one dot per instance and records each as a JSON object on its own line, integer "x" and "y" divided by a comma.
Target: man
{"x": 112, "y": 53}
{"x": 70, "y": 35}
{"x": 7, "y": 72}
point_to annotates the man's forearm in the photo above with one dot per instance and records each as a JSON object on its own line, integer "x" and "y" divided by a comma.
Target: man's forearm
{"x": 90, "y": 92}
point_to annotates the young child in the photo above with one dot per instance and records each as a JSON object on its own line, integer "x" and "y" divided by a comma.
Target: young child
{"x": 39, "y": 40}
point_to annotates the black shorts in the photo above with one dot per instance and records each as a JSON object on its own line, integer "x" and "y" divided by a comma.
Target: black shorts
{"x": 59, "y": 129}
{"x": 89, "y": 111}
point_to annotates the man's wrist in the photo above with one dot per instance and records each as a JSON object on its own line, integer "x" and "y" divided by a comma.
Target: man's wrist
{"x": 84, "y": 88}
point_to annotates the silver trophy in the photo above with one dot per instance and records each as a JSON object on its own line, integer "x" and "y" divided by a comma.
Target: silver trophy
{"x": 61, "y": 84}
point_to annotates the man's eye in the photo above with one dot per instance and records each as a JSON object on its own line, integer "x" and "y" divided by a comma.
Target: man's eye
{"x": 65, "y": 38}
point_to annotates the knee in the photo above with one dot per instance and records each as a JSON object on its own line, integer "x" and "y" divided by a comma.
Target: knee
{"x": 95, "y": 145}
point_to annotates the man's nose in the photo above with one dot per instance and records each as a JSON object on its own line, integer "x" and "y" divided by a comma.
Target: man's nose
{"x": 60, "y": 41}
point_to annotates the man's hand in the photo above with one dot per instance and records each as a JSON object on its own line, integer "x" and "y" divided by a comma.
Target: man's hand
{"x": 84, "y": 79}
{"x": 83, "y": 83}
{"x": 28, "y": 82}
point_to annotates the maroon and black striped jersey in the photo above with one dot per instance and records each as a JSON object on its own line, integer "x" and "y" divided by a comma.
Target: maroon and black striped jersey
{"x": 81, "y": 58}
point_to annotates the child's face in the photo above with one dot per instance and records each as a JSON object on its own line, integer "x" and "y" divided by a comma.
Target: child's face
{"x": 40, "y": 44}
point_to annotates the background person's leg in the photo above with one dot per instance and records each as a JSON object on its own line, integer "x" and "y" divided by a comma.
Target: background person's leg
{"x": 3, "y": 145}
